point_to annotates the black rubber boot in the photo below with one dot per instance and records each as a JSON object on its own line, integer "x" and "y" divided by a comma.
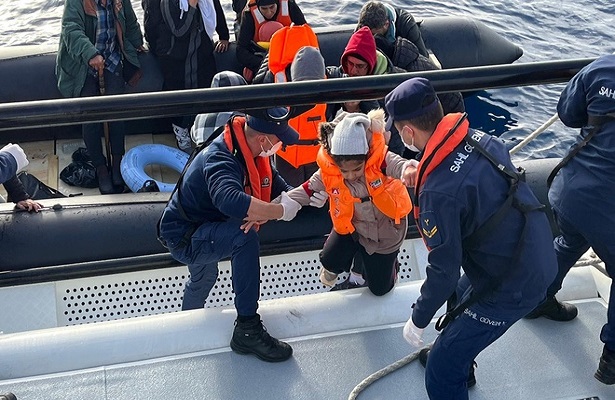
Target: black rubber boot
{"x": 104, "y": 180}
{"x": 8, "y": 396}
{"x": 606, "y": 367}
{"x": 424, "y": 354}
{"x": 251, "y": 337}
{"x": 555, "y": 310}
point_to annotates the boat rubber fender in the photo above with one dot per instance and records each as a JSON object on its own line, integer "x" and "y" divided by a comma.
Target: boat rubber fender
{"x": 139, "y": 157}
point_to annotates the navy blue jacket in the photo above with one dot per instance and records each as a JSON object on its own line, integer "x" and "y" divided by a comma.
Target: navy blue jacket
{"x": 582, "y": 190}
{"x": 212, "y": 191}
{"x": 8, "y": 166}
{"x": 459, "y": 196}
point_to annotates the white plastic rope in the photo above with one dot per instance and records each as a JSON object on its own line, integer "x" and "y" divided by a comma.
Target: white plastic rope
{"x": 533, "y": 135}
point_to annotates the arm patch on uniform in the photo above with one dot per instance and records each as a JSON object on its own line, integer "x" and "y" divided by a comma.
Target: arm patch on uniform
{"x": 430, "y": 229}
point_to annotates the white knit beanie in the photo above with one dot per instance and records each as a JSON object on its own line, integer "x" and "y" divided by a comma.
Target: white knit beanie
{"x": 349, "y": 138}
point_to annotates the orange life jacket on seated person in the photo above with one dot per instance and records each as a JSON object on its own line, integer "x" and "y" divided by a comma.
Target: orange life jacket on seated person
{"x": 282, "y": 17}
{"x": 284, "y": 45}
{"x": 389, "y": 195}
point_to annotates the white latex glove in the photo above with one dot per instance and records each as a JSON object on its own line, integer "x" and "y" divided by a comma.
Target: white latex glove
{"x": 17, "y": 152}
{"x": 412, "y": 334}
{"x": 291, "y": 207}
{"x": 318, "y": 199}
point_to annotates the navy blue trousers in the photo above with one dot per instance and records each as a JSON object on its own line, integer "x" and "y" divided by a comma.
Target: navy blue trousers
{"x": 209, "y": 244}
{"x": 574, "y": 241}
{"x": 454, "y": 351}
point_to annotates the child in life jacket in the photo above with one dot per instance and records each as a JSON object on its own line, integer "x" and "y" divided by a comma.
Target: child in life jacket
{"x": 368, "y": 203}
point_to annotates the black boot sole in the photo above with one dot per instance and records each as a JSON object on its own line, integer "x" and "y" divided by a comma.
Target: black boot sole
{"x": 607, "y": 381}
{"x": 246, "y": 350}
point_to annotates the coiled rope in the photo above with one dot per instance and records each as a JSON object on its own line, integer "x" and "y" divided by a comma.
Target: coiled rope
{"x": 533, "y": 135}
{"x": 592, "y": 260}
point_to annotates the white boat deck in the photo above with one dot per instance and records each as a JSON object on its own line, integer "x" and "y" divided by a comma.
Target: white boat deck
{"x": 339, "y": 338}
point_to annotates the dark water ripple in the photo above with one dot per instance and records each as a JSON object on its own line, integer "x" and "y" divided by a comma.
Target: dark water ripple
{"x": 545, "y": 29}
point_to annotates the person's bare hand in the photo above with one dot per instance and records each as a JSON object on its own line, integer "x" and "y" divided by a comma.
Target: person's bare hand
{"x": 29, "y": 205}
{"x": 97, "y": 62}
{"x": 193, "y": 3}
{"x": 246, "y": 226}
{"x": 221, "y": 46}
{"x": 408, "y": 173}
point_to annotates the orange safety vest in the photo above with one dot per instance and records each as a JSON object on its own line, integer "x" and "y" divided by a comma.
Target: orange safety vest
{"x": 283, "y": 17}
{"x": 258, "y": 180}
{"x": 451, "y": 131}
{"x": 389, "y": 195}
{"x": 284, "y": 45}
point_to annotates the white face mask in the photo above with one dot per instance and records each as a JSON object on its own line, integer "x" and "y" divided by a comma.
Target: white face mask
{"x": 411, "y": 146}
{"x": 274, "y": 149}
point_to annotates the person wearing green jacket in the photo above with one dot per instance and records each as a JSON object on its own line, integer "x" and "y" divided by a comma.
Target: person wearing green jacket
{"x": 99, "y": 44}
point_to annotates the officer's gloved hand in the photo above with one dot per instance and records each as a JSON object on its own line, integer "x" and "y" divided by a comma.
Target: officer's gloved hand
{"x": 318, "y": 199}
{"x": 413, "y": 335}
{"x": 17, "y": 152}
{"x": 291, "y": 207}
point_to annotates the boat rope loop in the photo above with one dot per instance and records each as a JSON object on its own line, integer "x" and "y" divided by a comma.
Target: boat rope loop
{"x": 533, "y": 135}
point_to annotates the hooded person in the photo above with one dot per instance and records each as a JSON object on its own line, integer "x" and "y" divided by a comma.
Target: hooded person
{"x": 249, "y": 54}
{"x": 205, "y": 124}
{"x": 222, "y": 197}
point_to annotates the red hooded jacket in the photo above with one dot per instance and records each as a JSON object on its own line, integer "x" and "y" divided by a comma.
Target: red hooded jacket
{"x": 362, "y": 45}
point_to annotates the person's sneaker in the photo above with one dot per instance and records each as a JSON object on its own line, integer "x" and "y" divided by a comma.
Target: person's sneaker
{"x": 251, "y": 337}
{"x": 424, "y": 354}
{"x": 555, "y": 310}
{"x": 347, "y": 284}
{"x": 8, "y": 396}
{"x": 327, "y": 278}
{"x": 182, "y": 136}
{"x": 606, "y": 367}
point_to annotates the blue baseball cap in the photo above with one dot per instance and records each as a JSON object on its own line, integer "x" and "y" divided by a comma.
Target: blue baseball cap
{"x": 274, "y": 122}
{"x": 410, "y": 99}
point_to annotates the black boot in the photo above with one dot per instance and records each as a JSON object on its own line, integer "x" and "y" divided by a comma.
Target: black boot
{"x": 606, "y": 367}
{"x": 8, "y": 396}
{"x": 116, "y": 172}
{"x": 424, "y": 354}
{"x": 104, "y": 180}
{"x": 553, "y": 309}
{"x": 251, "y": 337}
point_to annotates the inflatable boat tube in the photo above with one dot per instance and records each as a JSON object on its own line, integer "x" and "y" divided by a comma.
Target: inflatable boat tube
{"x": 136, "y": 159}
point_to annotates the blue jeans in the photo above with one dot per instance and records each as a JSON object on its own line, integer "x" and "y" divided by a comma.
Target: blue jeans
{"x": 571, "y": 244}
{"x": 209, "y": 244}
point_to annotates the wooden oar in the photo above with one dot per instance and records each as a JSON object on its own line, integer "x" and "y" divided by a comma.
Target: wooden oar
{"x": 103, "y": 90}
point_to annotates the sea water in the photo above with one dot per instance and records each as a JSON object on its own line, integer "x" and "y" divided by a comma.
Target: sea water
{"x": 545, "y": 29}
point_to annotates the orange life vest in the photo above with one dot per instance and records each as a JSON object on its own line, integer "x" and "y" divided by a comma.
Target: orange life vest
{"x": 389, "y": 195}
{"x": 258, "y": 180}
{"x": 282, "y": 17}
{"x": 451, "y": 131}
{"x": 284, "y": 45}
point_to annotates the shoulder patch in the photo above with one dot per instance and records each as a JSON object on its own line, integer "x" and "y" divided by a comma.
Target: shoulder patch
{"x": 430, "y": 229}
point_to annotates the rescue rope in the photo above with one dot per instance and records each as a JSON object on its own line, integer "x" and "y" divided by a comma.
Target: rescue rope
{"x": 383, "y": 372}
{"x": 533, "y": 135}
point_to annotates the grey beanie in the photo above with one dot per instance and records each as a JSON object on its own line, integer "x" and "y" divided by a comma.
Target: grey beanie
{"x": 227, "y": 78}
{"x": 349, "y": 138}
{"x": 307, "y": 65}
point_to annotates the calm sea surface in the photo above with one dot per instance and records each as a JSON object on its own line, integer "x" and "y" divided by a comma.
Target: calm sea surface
{"x": 546, "y": 30}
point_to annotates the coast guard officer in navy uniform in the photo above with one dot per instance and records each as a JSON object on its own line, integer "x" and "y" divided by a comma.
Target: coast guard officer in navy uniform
{"x": 474, "y": 216}
{"x": 582, "y": 193}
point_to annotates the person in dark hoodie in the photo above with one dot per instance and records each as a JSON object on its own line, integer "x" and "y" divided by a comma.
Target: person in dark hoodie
{"x": 249, "y": 53}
